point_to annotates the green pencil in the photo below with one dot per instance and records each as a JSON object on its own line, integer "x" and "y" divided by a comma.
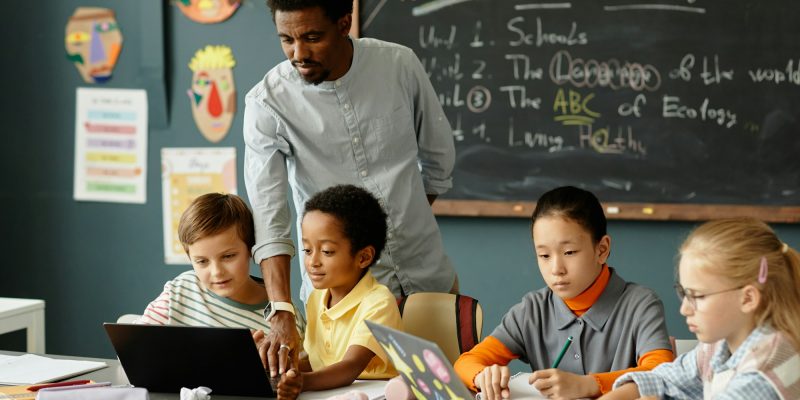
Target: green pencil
{"x": 563, "y": 351}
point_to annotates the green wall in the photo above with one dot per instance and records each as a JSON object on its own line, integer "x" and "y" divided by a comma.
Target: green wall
{"x": 94, "y": 261}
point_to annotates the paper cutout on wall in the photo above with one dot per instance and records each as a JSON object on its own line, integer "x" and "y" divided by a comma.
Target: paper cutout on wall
{"x": 208, "y": 11}
{"x": 213, "y": 94}
{"x": 93, "y": 42}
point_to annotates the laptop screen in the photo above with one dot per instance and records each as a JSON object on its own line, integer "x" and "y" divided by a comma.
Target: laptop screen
{"x": 421, "y": 364}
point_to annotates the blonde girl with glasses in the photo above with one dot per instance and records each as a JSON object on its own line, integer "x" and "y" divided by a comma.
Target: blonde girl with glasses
{"x": 740, "y": 293}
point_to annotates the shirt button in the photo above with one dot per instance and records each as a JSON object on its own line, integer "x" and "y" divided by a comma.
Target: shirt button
{"x": 577, "y": 356}
{"x": 364, "y": 173}
{"x": 338, "y": 83}
{"x": 346, "y": 106}
{"x": 355, "y": 140}
{"x": 327, "y": 345}
{"x": 580, "y": 322}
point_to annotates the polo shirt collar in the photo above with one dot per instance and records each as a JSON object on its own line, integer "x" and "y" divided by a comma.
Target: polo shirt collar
{"x": 352, "y": 300}
{"x": 599, "y": 313}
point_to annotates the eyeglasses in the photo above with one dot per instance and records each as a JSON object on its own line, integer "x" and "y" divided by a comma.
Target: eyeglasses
{"x": 682, "y": 293}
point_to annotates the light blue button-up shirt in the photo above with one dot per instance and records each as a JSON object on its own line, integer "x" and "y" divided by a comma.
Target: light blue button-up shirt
{"x": 380, "y": 126}
{"x": 681, "y": 378}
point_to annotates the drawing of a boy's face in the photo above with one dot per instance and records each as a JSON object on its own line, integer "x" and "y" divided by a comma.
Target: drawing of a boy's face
{"x": 93, "y": 42}
{"x": 213, "y": 94}
{"x": 208, "y": 11}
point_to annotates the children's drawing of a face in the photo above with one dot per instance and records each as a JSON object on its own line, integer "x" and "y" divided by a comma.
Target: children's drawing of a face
{"x": 213, "y": 94}
{"x": 93, "y": 42}
{"x": 208, "y": 11}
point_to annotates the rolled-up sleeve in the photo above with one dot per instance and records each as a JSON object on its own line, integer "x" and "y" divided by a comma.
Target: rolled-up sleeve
{"x": 266, "y": 180}
{"x": 434, "y": 134}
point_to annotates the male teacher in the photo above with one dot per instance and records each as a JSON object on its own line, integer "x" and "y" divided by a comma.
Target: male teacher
{"x": 342, "y": 110}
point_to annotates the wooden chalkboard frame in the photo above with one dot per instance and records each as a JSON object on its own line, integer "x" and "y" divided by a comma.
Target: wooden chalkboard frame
{"x": 624, "y": 211}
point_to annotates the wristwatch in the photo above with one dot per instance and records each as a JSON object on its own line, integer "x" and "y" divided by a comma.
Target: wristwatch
{"x": 275, "y": 306}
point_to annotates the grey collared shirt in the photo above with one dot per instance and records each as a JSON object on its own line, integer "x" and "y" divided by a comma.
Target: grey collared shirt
{"x": 381, "y": 127}
{"x": 625, "y": 322}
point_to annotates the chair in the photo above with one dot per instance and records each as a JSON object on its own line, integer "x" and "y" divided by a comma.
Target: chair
{"x": 128, "y": 318}
{"x": 684, "y": 346}
{"x": 454, "y": 322}
{"x": 680, "y": 346}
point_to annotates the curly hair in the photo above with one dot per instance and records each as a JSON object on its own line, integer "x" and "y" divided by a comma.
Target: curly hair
{"x": 361, "y": 215}
{"x": 334, "y": 9}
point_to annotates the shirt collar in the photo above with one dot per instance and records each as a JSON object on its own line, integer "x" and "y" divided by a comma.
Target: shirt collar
{"x": 242, "y": 306}
{"x": 352, "y": 300}
{"x": 584, "y": 301}
{"x": 723, "y": 359}
{"x": 599, "y": 312}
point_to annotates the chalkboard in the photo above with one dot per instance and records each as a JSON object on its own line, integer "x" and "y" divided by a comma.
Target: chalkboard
{"x": 689, "y": 104}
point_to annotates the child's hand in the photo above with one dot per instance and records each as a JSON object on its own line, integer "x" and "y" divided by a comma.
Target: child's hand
{"x": 493, "y": 382}
{"x": 291, "y": 385}
{"x": 557, "y": 384}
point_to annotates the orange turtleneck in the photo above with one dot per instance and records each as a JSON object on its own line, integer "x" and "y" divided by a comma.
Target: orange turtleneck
{"x": 584, "y": 301}
{"x": 491, "y": 351}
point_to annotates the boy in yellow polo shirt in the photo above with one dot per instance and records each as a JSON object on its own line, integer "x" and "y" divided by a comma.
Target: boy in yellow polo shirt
{"x": 343, "y": 233}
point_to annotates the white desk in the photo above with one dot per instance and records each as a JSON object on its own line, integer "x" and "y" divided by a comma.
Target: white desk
{"x": 28, "y": 314}
{"x": 116, "y": 375}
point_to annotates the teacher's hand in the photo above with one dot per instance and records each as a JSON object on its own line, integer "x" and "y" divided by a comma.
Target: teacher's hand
{"x": 280, "y": 347}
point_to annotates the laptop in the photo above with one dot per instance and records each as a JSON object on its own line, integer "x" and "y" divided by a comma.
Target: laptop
{"x": 429, "y": 373}
{"x": 421, "y": 363}
{"x": 165, "y": 358}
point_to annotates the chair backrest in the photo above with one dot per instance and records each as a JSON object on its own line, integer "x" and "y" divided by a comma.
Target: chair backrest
{"x": 454, "y": 322}
{"x": 684, "y": 346}
{"x": 127, "y": 318}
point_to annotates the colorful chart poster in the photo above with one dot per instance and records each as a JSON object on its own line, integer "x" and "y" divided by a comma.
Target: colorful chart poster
{"x": 185, "y": 174}
{"x": 111, "y": 145}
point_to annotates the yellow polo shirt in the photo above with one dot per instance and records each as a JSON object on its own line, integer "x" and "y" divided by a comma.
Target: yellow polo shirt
{"x": 330, "y": 331}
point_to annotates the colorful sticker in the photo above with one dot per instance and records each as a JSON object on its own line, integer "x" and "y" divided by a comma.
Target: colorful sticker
{"x": 208, "y": 11}
{"x": 436, "y": 365}
{"x": 213, "y": 93}
{"x": 93, "y": 42}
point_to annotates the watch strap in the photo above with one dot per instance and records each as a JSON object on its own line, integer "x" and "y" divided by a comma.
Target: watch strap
{"x": 275, "y": 306}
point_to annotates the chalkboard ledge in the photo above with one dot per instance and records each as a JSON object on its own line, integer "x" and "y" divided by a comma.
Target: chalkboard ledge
{"x": 624, "y": 211}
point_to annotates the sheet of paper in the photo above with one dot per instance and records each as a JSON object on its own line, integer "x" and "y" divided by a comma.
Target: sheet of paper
{"x": 111, "y": 145}
{"x": 373, "y": 388}
{"x": 520, "y": 388}
{"x": 29, "y": 369}
{"x": 185, "y": 174}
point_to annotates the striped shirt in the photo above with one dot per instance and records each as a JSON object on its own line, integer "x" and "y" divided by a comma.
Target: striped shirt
{"x": 185, "y": 302}
{"x": 763, "y": 367}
